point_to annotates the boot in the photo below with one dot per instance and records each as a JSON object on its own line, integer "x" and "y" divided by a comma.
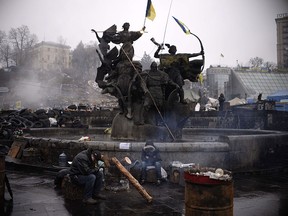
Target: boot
{"x": 90, "y": 201}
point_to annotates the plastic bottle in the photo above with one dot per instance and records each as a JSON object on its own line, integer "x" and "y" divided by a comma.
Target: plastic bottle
{"x": 62, "y": 160}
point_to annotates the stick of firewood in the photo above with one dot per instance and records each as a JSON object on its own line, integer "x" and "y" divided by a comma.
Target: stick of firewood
{"x": 131, "y": 179}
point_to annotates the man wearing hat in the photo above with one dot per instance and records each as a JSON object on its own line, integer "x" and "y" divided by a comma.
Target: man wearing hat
{"x": 86, "y": 173}
{"x": 150, "y": 156}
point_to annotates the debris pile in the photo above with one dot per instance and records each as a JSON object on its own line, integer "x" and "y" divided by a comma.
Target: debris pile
{"x": 211, "y": 173}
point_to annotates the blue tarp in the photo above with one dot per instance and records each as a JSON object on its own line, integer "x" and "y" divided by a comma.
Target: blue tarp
{"x": 280, "y": 95}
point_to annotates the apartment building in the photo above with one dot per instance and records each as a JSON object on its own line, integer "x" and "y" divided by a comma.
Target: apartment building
{"x": 47, "y": 56}
{"x": 282, "y": 40}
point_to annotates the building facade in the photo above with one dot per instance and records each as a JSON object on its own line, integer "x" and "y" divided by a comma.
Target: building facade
{"x": 218, "y": 81}
{"x": 244, "y": 84}
{"x": 47, "y": 56}
{"x": 282, "y": 40}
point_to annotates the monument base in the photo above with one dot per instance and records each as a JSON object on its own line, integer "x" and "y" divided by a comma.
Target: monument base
{"x": 125, "y": 129}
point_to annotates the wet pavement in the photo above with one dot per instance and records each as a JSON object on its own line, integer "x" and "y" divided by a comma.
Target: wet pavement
{"x": 34, "y": 194}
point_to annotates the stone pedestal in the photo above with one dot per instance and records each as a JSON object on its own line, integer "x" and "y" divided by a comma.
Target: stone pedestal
{"x": 125, "y": 129}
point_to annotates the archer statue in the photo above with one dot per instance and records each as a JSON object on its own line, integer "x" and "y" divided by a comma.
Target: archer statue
{"x": 175, "y": 65}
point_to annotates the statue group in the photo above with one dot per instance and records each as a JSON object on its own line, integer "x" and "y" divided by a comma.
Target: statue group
{"x": 151, "y": 102}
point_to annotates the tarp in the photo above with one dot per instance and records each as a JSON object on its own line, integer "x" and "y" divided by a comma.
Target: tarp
{"x": 237, "y": 101}
{"x": 191, "y": 94}
{"x": 278, "y": 96}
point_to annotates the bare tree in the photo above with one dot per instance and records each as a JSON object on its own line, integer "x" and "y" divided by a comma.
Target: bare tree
{"x": 5, "y": 48}
{"x": 6, "y": 53}
{"x": 256, "y": 62}
{"x": 2, "y": 36}
{"x": 22, "y": 41}
{"x": 270, "y": 66}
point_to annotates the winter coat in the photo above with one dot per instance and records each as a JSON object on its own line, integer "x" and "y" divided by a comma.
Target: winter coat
{"x": 150, "y": 154}
{"x": 82, "y": 163}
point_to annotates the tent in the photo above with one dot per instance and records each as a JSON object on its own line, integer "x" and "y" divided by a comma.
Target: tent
{"x": 237, "y": 101}
{"x": 278, "y": 96}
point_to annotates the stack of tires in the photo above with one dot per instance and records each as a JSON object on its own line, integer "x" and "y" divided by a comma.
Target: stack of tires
{"x": 40, "y": 118}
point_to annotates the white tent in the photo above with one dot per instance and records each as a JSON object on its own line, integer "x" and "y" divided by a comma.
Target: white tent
{"x": 237, "y": 101}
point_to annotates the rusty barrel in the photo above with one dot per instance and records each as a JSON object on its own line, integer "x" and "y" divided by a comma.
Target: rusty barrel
{"x": 206, "y": 197}
{"x": 2, "y": 178}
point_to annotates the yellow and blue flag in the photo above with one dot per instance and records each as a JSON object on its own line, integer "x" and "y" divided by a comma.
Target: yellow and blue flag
{"x": 150, "y": 11}
{"x": 182, "y": 26}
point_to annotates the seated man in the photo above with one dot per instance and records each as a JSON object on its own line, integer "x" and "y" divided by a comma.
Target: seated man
{"x": 85, "y": 172}
{"x": 150, "y": 157}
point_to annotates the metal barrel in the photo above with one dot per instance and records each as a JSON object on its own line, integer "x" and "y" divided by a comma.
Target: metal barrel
{"x": 2, "y": 178}
{"x": 208, "y": 198}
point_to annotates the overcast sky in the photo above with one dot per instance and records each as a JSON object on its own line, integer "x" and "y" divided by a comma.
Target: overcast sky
{"x": 239, "y": 29}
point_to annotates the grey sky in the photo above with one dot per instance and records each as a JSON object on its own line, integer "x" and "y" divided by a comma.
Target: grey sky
{"x": 239, "y": 29}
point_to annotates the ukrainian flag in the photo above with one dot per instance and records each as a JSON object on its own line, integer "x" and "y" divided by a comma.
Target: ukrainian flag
{"x": 182, "y": 26}
{"x": 150, "y": 11}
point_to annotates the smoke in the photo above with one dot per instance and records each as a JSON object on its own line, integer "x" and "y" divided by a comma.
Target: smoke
{"x": 30, "y": 89}
{"x": 50, "y": 89}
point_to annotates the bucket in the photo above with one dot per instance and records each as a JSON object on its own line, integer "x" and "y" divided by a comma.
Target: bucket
{"x": 205, "y": 196}
{"x": 62, "y": 160}
{"x": 2, "y": 178}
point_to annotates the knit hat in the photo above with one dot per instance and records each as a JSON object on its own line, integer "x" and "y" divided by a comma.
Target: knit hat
{"x": 97, "y": 154}
{"x": 149, "y": 142}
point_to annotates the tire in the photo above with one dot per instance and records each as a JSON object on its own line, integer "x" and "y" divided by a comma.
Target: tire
{"x": 38, "y": 124}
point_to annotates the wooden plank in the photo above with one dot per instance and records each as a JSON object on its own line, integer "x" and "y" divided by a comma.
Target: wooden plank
{"x": 131, "y": 179}
{"x": 16, "y": 149}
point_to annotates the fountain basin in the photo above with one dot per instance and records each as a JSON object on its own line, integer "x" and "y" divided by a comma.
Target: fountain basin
{"x": 230, "y": 149}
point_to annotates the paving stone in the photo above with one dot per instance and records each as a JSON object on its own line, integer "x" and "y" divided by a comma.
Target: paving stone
{"x": 263, "y": 194}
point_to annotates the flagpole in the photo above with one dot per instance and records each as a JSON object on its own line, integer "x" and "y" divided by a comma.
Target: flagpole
{"x": 150, "y": 12}
{"x": 145, "y": 19}
{"x": 145, "y": 14}
{"x": 167, "y": 21}
{"x": 146, "y": 11}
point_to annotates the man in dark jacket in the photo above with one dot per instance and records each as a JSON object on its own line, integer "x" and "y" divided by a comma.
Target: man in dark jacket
{"x": 150, "y": 156}
{"x": 221, "y": 100}
{"x": 85, "y": 172}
